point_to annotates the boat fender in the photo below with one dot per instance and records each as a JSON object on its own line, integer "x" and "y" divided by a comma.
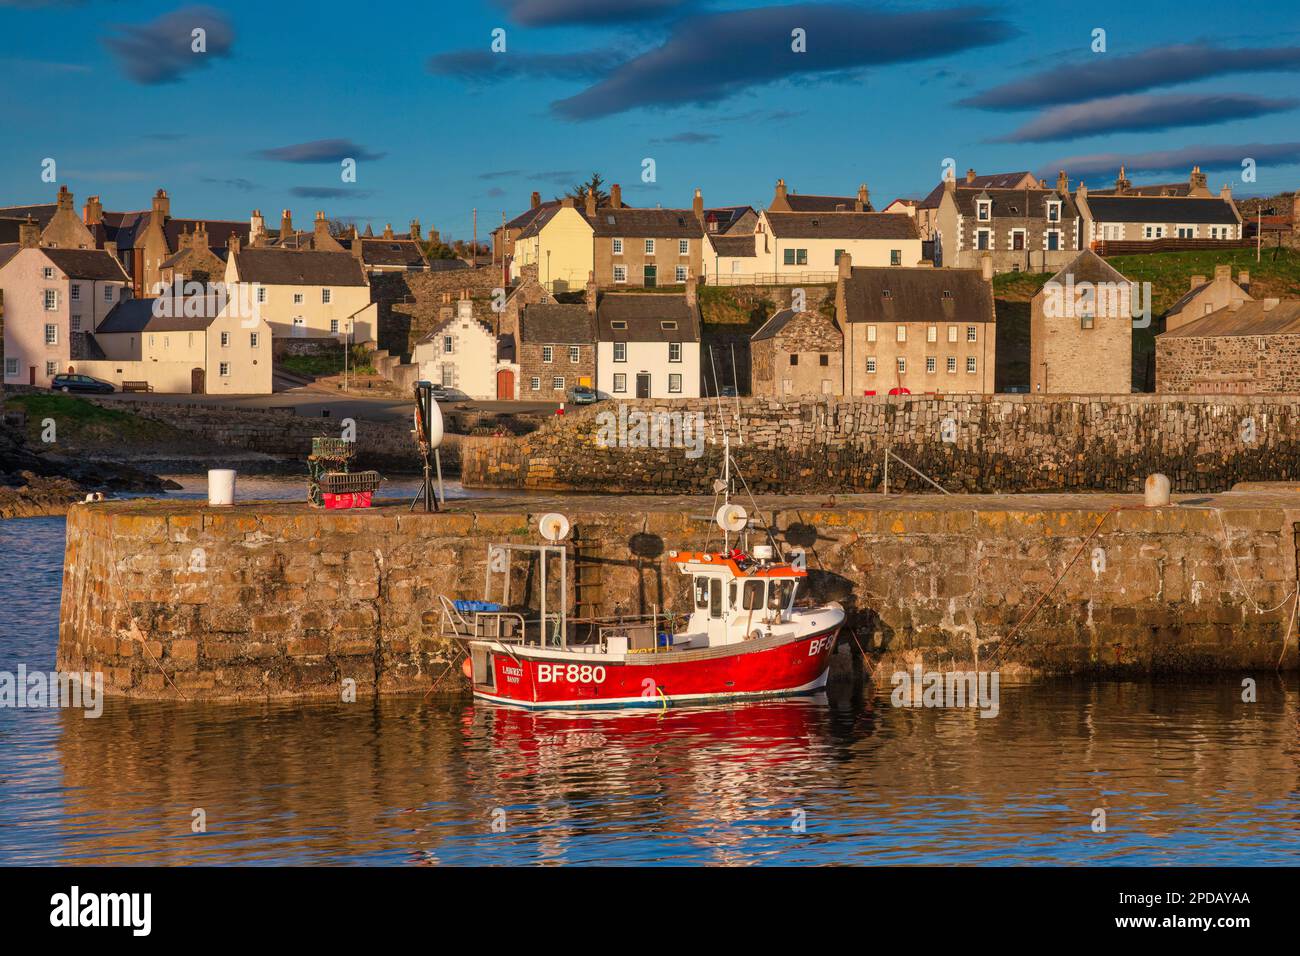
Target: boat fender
{"x": 755, "y": 634}
{"x": 467, "y": 669}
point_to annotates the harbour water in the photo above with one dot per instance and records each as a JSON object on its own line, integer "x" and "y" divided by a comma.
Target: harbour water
{"x": 1186, "y": 772}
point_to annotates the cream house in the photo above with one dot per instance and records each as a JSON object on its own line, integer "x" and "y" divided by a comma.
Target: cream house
{"x": 195, "y": 345}
{"x": 304, "y": 293}
{"x": 795, "y": 246}
{"x": 463, "y": 354}
{"x": 559, "y": 243}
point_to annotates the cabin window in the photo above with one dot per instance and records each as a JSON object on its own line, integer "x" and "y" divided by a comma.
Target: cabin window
{"x": 753, "y": 595}
{"x": 701, "y": 592}
{"x": 715, "y": 598}
{"x": 779, "y": 595}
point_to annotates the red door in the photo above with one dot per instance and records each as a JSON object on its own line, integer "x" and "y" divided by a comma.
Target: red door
{"x": 505, "y": 384}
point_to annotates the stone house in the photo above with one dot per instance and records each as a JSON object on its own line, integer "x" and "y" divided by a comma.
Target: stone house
{"x": 1135, "y": 217}
{"x": 389, "y": 252}
{"x": 916, "y": 329}
{"x": 51, "y": 299}
{"x": 797, "y": 353}
{"x": 1081, "y": 331}
{"x": 1246, "y": 348}
{"x": 927, "y": 209}
{"x": 556, "y": 347}
{"x": 1205, "y": 297}
{"x": 1019, "y": 230}
{"x": 785, "y": 201}
{"x": 145, "y": 241}
{"x": 648, "y": 344}
{"x": 647, "y": 247}
{"x": 193, "y": 261}
{"x": 1196, "y": 186}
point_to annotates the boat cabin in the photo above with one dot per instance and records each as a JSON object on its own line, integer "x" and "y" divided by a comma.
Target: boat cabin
{"x": 737, "y": 596}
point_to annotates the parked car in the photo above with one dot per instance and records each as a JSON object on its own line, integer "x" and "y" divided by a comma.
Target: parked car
{"x": 728, "y": 391}
{"x": 80, "y": 383}
{"x": 583, "y": 395}
{"x": 441, "y": 393}
{"x": 900, "y": 390}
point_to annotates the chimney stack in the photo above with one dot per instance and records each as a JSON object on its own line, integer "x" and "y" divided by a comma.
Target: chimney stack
{"x": 93, "y": 214}
{"x": 415, "y": 229}
{"x": 1062, "y": 182}
{"x": 321, "y": 229}
{"x": 593, "y": 292}
{"x": 970, "y": 176}
{"x": 1197, "y": 180}
{"x": 536, "y": 199}
{"x": 29, "y": 234}
{"x": 256, "y": 228}
{"x": 949, "y": 184}
{"x": 986, "y": 268}
{"x": 1122, "y": 182}
{"x": 232, "y": 244}
{"x": 65, "y": 199}
{"x": 697, "y": 205}
{"x": 692, "y": 290}
{"x": 616, "y": 196}
{"x": 162, "y": 204}
{"x": 591, "y": 204}
{"x": 1222, "y": 272}
{"x": 568, "y": 203}
{"x": 388, "y": 231}
{"x": 1197, "y": 282}
{"x": 779, "y": 200}
{"x": 846, "y": 265}
{"x": 1226, "y": 192}
{"x": 286, "y": 226}
{"x": 864, "y": 198}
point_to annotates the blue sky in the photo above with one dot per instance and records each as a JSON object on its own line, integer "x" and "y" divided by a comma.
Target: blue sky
{"x": 711, "y": 91}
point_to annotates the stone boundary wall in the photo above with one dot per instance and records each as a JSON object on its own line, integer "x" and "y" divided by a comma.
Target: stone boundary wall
{"x": 1000, "y": 443}
{"x": 281, "y": 431}
{"x": 273, "y": 599}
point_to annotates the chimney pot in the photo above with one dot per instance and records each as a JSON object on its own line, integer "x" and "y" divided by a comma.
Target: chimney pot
{"x": 29, "y": 234}
{"x": 591, "y": 204}
{"x": 970, "y": 176}
{"x": 846, "y": 265}
{"x": 616, "y": 196}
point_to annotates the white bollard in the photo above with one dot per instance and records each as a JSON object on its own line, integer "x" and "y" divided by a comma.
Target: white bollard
{"x": 1157, "y": 491}
{"x": 221, "y": 486}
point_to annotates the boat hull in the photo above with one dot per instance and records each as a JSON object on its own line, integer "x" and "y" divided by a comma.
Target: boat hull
{"x": 533, "y": 678}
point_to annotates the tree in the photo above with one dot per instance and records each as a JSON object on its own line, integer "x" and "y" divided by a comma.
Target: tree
{"x": 578, "y": 193}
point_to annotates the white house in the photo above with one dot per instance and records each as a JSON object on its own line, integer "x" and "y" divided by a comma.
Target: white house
{"x": 464, "y": 354}
{"x": 648, "y": 345}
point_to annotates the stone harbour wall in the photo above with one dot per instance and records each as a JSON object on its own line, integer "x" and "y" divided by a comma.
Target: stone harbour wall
{"x": 274, "y": 599}
{"x": 966, "y": 443}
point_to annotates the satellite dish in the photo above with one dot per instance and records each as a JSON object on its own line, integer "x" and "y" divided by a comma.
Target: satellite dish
{"x": 553, "y": 526}
{"x": 732, "y": 518}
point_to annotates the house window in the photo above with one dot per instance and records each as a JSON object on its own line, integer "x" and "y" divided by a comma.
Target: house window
{"x": 75, "y": 294}
{"x": 971, "y": 333}
{"x": 675, "y": 382}
{"x": 620, "y": 273}
{"x": 51, "y": 334}
{"x": 11, "y": 367}
{"x": 51, "y": 300}
{"x": 47, "y": 272}
{"x": 261, "y": 294}
{"x": 981, "y": 239}
{"x": 548, "y": 354}
{"x": 794, "y": 358}
{"x": 801, "y": 257}
{"x": 325, "y": 296}
{"x": 574, "y": 354}
{"x": 76, "y": 323}
{"x": 679, "y": 274}
{"x": 984, "y": 210}
{"x": 252, "y": 340}
{"x": 1053, "y": 241}
{"x": 674, "y": 351}
{"x": 224, "y": 369}
{"x": 447, "y": 347}
{"x": 297, "y": 298}
{"x": 838, "y": 253}
{"x": 902, "y": 365}
{"x": 620, "y": 351}
{"x": 683, "y": 247}
{"x": 952, "y": 333}
{"x": 952, "y": 364}
{"x": 788, "y": 257}
{"x": 334, "y": 326}
{"x": 649, "y": 247}
{"x": 448, "y": 376}
{"x": 900, "y": 334}
{"x": 970, "y": 364}
{"x": 931, "y": 364}
{"x": 1053, "y": 212}
{"x": 618, "y": 247}
{"x": 51, "y": 368}
{"x": 620, "y": 382}
{"x": 108, "y": 293}
{"x": 557, "y": 383}
{"x": 823, "y": 360}
{"x": 871, "y": 333}
{"x": 535, "y": 384}
{"x": 871, "y": 365}
{"x": 1085, "y": 321}
{"x": 932, "y": 334}
{"x": 1186, "y": 232}
{"x": 651, "y": 276}
{"x": 895, "y": 257}
{"x": 1018, "y": 239}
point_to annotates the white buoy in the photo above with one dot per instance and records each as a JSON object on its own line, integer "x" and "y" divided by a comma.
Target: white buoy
{"x": 221, "y": 486}
{"x": 553, "y": 526}
{"x": 1157, "y": 491}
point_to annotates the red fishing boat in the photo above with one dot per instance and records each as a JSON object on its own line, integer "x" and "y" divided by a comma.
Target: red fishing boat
{"x": 747, "y": 634}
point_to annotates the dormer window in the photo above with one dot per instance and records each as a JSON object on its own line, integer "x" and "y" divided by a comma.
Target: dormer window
{"x": 618, "y": 325}
{"x": 984, "y": 210}
{"x": 1053, "y": 212}
{"x": 668, "y": 325}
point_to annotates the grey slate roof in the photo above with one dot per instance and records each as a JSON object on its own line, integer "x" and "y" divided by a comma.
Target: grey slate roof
{"x": 1250, "y": 318}
{"x": 645, "y": 314}
{"x": 137, "y": 315}
{"x": 1087, "y": 266}
{"x": 1193, "y": 210}
{"x": 843, "y": 225}
{"x": 990, "y": 181}
{"x": 86, "y": 264}
{"x": 774, "y": 325}
{"x": 291, "y": 267}
{"x": 555, "y": 323}
{"x": 1014, "y": 203}
{"x": 7, "y": 251}
{"x": 806, "y": 202}
{"x": 733, "y": 246}
{"x": 916, "y": 294}
{"x": 647, "y": 223}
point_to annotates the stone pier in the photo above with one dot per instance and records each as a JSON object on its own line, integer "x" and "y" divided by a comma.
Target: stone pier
{"x": 267, "y": 599}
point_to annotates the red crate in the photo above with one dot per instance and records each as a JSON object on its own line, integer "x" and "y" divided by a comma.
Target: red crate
{"x": 357, "y": 499}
